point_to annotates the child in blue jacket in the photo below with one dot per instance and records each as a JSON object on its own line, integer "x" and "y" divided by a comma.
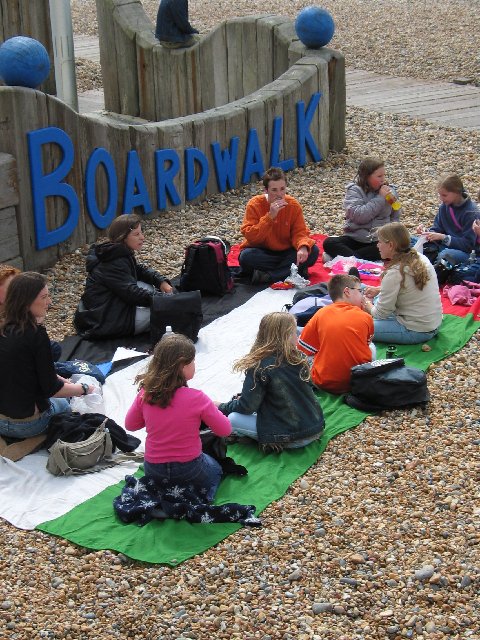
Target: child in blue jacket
{"x": 452, "y": 232}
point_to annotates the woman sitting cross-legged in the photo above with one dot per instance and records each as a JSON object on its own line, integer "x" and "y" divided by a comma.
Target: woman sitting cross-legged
{"x": 277, "y": 405}
{"x": 118, "y": 291}
{"x": 408, "y": 309}
{"x": 30, "y": 390}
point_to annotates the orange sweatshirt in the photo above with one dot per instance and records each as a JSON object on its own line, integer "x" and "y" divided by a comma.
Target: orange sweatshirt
{"x": 338, "y": 338}
{"x": 286, "y": 231}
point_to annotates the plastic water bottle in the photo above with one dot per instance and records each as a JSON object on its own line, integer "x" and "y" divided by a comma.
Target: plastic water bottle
{"x": 168, "y": 331}
{"x": 472, "y": 257}
{"x": 393, "y": 202}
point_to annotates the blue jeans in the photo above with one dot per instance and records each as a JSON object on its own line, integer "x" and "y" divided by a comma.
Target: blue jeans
{"x": 453, "y": 256}
{"x": 276, "y": 263}
{"x": 203, "y": 473}
{"x": 391, "y": 331}
{"x": 12, "y": 429}
{"x": 245, "y": 424}
{"x": 470, "y": 271}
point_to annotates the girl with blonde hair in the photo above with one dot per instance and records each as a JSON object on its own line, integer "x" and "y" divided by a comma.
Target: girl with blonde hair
{"x": 408, "y": 309}
{"x": 277, "y": 405}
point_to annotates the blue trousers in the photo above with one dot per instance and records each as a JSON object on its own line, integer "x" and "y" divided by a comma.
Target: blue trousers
{"x": 13, "y": 429}
{"x": 390, "y": 331}
{"x": 246, "y": 425}
{"x": 276, "y": 263}
{"x": 204, "y": 473}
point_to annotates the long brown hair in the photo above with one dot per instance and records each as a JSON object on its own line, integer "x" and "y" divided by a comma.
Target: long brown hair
{"x": 122, "y": 225}
{"x": 404, "y": 255}
{"x": 21, "y": 293}
{"x": 452, "y": 183}
{"x": 165, "y": 370}
{"x": 365, "y": 169}
{"x": 274, "y": 338}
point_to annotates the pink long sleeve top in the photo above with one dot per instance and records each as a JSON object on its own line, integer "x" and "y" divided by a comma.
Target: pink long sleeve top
{"x": 173, "y": 432}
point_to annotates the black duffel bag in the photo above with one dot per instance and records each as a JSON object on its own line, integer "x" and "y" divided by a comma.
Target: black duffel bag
{"x": 181, "y": 311}
{"x": 386, "y": 384}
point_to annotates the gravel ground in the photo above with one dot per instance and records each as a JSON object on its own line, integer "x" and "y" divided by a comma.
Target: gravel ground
{"x": 380, "y": 538}
{"x": 418, "y": 38}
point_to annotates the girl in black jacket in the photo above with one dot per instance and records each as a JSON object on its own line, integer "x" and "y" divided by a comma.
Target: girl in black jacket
{"x": 119, "y": 291}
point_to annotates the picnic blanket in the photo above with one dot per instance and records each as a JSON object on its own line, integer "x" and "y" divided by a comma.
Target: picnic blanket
{"x": 93, "y": 523}
{"x": 80, "y": 509}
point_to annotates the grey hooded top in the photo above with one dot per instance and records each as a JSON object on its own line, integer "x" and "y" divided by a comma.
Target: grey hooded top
{"x": 365, "y": 212}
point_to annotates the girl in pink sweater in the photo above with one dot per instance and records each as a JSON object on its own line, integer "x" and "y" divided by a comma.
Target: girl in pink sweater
{"x": 171, "y": 412}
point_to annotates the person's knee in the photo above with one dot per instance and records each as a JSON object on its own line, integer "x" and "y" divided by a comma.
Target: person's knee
{"x": 313, "y": 255}
{"x": 248, "y": 259}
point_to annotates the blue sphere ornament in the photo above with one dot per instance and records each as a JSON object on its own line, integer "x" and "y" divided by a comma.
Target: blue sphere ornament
{"x": 24, "y": 62}
{"x": 315, "y": 27}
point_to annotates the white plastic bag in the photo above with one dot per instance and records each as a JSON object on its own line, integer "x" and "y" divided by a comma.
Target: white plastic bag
{"x": 296, "y": 279}
{"x": 92, "y": 402}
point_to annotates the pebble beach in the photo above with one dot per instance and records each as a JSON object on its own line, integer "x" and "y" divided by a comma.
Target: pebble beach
{"x": 381, "y": 537}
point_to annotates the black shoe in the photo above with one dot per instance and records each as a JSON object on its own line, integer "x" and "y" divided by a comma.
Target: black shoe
{"x": 353, "y": 271}
{"x": 261, "y": 277}
{"x": 303, "y": 271}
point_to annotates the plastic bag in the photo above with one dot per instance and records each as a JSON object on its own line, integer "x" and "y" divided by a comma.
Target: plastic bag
{"x": 92, "y": 402}
{"x": 296, "y": 279}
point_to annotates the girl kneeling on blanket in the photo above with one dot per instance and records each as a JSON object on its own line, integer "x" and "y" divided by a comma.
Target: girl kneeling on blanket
{"x": 277, "y": 405}
{"x": 171, "y": 412}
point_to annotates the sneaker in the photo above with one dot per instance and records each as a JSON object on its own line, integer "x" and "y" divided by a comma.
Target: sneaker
{"x": 353, "y": 271}
{"x": 261, "y": 277}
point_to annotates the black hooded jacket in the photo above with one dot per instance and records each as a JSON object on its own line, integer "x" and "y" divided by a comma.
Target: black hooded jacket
{"x": 108, "y": 304}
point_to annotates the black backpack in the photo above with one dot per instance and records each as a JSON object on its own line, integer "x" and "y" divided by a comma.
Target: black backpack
{"x": 386, "y": 384}
{"x": 205, "y": 267}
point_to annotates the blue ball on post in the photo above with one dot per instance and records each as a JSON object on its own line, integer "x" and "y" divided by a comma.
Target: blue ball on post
{"x": 24, "y": 62}
{"x": 315, "y": 27}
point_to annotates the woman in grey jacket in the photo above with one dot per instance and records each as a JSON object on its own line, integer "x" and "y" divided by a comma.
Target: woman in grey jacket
{"x": 369, "y": 203}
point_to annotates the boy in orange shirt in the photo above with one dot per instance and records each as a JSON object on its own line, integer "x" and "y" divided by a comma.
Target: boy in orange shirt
{"x": 338, "y": 336}
{"x": 275, "y": 233}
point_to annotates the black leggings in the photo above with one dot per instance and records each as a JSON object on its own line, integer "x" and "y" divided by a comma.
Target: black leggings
{"x": 347, "y": 246}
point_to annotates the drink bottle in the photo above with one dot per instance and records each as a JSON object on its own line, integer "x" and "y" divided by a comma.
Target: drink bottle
{"x": 391, "y": 351}
{"x": 393, "y": 202}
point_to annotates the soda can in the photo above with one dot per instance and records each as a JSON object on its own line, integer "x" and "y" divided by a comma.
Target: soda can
{"x": 391, "y": 351}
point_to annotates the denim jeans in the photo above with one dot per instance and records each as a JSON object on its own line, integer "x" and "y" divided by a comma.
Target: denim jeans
{"x": 276, "y": 263}
{"x": 390, "y": 331}
{"x": 245, "y": 424}
{"x": 203, "y": 473}
{"x": 12, "y": 429}
{"x": 452, "y": 256}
